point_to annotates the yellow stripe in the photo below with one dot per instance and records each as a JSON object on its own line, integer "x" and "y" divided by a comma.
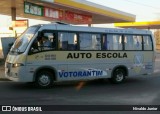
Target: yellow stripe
{"x": 137, "y": 24}
{"x": 94, "y": 9}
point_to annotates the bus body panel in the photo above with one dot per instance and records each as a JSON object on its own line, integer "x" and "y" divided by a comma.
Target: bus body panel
{"x": 81, "y": 65}
{"x": 17, "y": 73}
{"x": 94, "y": 67}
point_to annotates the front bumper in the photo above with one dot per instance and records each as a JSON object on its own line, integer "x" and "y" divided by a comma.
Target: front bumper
{"x": 17, "y": 74}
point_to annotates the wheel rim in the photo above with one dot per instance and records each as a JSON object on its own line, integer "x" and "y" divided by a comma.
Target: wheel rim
{"x": 44, "y": 80}
{"x": 119, "y": 76}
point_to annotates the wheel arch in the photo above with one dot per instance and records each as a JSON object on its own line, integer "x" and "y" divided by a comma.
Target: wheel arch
{"x": 49, "y": 68}
{"x": 120, "y": 67}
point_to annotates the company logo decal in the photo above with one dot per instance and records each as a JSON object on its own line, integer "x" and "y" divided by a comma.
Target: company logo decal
{"x": 85, "y": 73}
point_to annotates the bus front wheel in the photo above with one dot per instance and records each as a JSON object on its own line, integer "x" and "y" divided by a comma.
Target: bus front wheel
{"x": 44, "y": 79}
{"x": 118, "y": 76}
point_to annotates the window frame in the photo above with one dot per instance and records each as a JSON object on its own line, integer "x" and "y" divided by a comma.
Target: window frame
{"x": 67, "y": 47}
{"x": 54, "y": 32}
{"x": 152, "y": 45}
{"x": 120, "y": 34}
{"x": 102, "y": 34}
{"x": 92, "y": 33}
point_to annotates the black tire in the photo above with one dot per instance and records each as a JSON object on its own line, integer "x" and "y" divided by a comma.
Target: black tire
{"x": 44, "y": 79}
{"x": 118, "y": 76}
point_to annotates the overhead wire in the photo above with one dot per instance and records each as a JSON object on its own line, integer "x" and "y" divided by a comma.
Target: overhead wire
{"x": 144, "y": 5}
{"x": 138, "y": 3}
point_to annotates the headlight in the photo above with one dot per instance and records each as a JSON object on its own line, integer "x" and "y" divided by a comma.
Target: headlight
{"x": 17, "y": 65}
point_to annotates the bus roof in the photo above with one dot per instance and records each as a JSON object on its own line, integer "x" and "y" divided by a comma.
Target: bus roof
{"x": 67, "y": 27}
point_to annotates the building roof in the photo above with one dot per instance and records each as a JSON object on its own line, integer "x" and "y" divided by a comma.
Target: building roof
{"x": 100, "y": 14}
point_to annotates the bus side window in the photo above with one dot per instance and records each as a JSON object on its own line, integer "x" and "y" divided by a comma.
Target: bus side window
{"x": 54, "y": 41}
{"x": 128, "y": 40}
{"x": 72, "y": 43}
{"x": 50, "y": 42}
{"x": 45, "y": 42}
{"x": 147, "y": 43}
{"x": 67, "y": 41}
{"x": 112, "y": 42}
{"x": 90, "y": 41}
{"x": 34, "y": 47}
{"x": 105, "y": 45}
{"x": 137, "y": 42}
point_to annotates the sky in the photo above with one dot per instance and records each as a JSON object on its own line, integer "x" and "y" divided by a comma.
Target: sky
{"x": 145, "y": 10}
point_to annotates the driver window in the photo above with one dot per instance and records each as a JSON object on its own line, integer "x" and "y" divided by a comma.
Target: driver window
{"x": 46, "y": 42}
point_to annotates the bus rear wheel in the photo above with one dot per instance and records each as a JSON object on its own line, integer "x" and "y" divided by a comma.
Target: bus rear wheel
{"x": 44, "y": 79}
{"x": 118, "y": 76}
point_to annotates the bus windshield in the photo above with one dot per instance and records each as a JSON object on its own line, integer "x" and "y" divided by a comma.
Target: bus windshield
{"x": 23, "y": 40}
